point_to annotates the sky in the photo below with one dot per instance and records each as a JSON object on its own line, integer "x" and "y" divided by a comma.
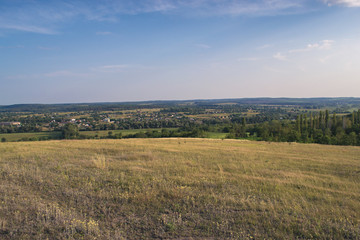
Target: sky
{"x": 73, "y": 51}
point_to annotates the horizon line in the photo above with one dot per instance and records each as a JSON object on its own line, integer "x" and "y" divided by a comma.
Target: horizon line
{"x": 174, "y": 100}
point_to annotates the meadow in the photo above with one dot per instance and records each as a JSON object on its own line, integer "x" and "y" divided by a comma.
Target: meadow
{"x": 178, "y": 189}
{"x": 31, "y": 136}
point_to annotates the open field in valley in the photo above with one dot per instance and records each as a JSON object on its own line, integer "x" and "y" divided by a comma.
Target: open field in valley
{"x": 178, "y": 189}
{"x": 13, "y": 137}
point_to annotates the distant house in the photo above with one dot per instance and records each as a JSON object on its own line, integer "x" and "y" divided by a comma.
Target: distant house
{"x": 107, "y": 120}
{"x": 10, "y": 123}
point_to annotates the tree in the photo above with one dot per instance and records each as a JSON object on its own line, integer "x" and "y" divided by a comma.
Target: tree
{"x": 298, "y": 124}
{"x": 70, "y": 131}
{"x": 243, "y": 122}
{"x": 321, "y": 120}
{"x": 351, "y": 139}
{"x": 353, "y": 118}
{"x": 165, "y": 132}
{"x": 327, "y": 119}
{"x": 293, "y": 136}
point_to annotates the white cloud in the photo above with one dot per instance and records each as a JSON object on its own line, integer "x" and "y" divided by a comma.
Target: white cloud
{"x": 322, "y": 45}
{"x": 208, "y": 7}
{"x": 347, "y": 3}
{"x": 27, "y": 28}
{"x": 44, "y": 17}
{"x": 158, "y": 6}
{"x": 280, "y": 56}
{"x": 258, "y": 7}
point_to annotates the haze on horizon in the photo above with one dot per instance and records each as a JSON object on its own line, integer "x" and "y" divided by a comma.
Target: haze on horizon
{"x": 113, "y": 51}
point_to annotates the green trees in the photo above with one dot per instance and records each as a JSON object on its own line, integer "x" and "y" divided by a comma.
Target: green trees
{"x": 70, "y": 131}
{"x": 238, "y": 130}
{"x": 320, "y": 128}
{"x": 327, "y": 119}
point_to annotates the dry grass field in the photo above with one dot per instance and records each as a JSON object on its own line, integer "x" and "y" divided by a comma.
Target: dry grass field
{"x": 178, "y": 189}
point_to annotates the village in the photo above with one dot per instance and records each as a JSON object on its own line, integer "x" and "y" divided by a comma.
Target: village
{"x": 94, "y": 121}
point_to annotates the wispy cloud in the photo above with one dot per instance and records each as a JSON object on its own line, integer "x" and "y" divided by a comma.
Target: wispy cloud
{"x": 27, "y": 28}
{"x": 280, "y": 56}
{"x": 322, "y": 45}
{"x": 44, "y": 17}
{"x": 208, "y": 7}
{"x": 47, "y": 17}
{"x": 157, "y": 6}
{"x": 347, "y": 3}
{"x": 263, "y": 7}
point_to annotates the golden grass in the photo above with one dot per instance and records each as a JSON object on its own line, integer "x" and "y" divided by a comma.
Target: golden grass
{"x": 178, "y": 188}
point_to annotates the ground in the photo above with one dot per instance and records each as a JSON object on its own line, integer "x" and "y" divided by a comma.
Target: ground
{"x": 179, "y": 189}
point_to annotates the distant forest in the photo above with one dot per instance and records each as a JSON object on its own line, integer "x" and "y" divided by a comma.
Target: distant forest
{"x": 305, "y": 102}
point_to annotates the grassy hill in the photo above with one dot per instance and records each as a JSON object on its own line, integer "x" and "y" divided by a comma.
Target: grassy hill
{"x": 178, "y": 188}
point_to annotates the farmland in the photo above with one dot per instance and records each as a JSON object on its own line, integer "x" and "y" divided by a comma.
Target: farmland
{"x": 334, "y": 121}
{"x": 181, "y": 188}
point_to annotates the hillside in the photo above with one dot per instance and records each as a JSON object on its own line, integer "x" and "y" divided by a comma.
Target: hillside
{"x": 111, "y": 106}
{"x": 178, "y": 188}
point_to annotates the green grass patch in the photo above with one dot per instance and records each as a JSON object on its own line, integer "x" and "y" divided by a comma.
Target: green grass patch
{"x": 13, "y": 137}
{"x": 105, "y": 133}
{"x": 216, "y": 135}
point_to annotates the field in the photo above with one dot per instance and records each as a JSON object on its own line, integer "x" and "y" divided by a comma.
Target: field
{"x": 13, "y": 137}
{"x": 179, "y": 189}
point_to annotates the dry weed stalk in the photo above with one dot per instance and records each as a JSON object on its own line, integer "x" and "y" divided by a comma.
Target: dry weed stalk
{"x": 100, "y": 161}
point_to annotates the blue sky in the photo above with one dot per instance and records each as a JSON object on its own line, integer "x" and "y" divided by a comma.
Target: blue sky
{"x": 108, "y": 51}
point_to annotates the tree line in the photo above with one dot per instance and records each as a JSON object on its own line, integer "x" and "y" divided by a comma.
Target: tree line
{"x": 323, "y": 128}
